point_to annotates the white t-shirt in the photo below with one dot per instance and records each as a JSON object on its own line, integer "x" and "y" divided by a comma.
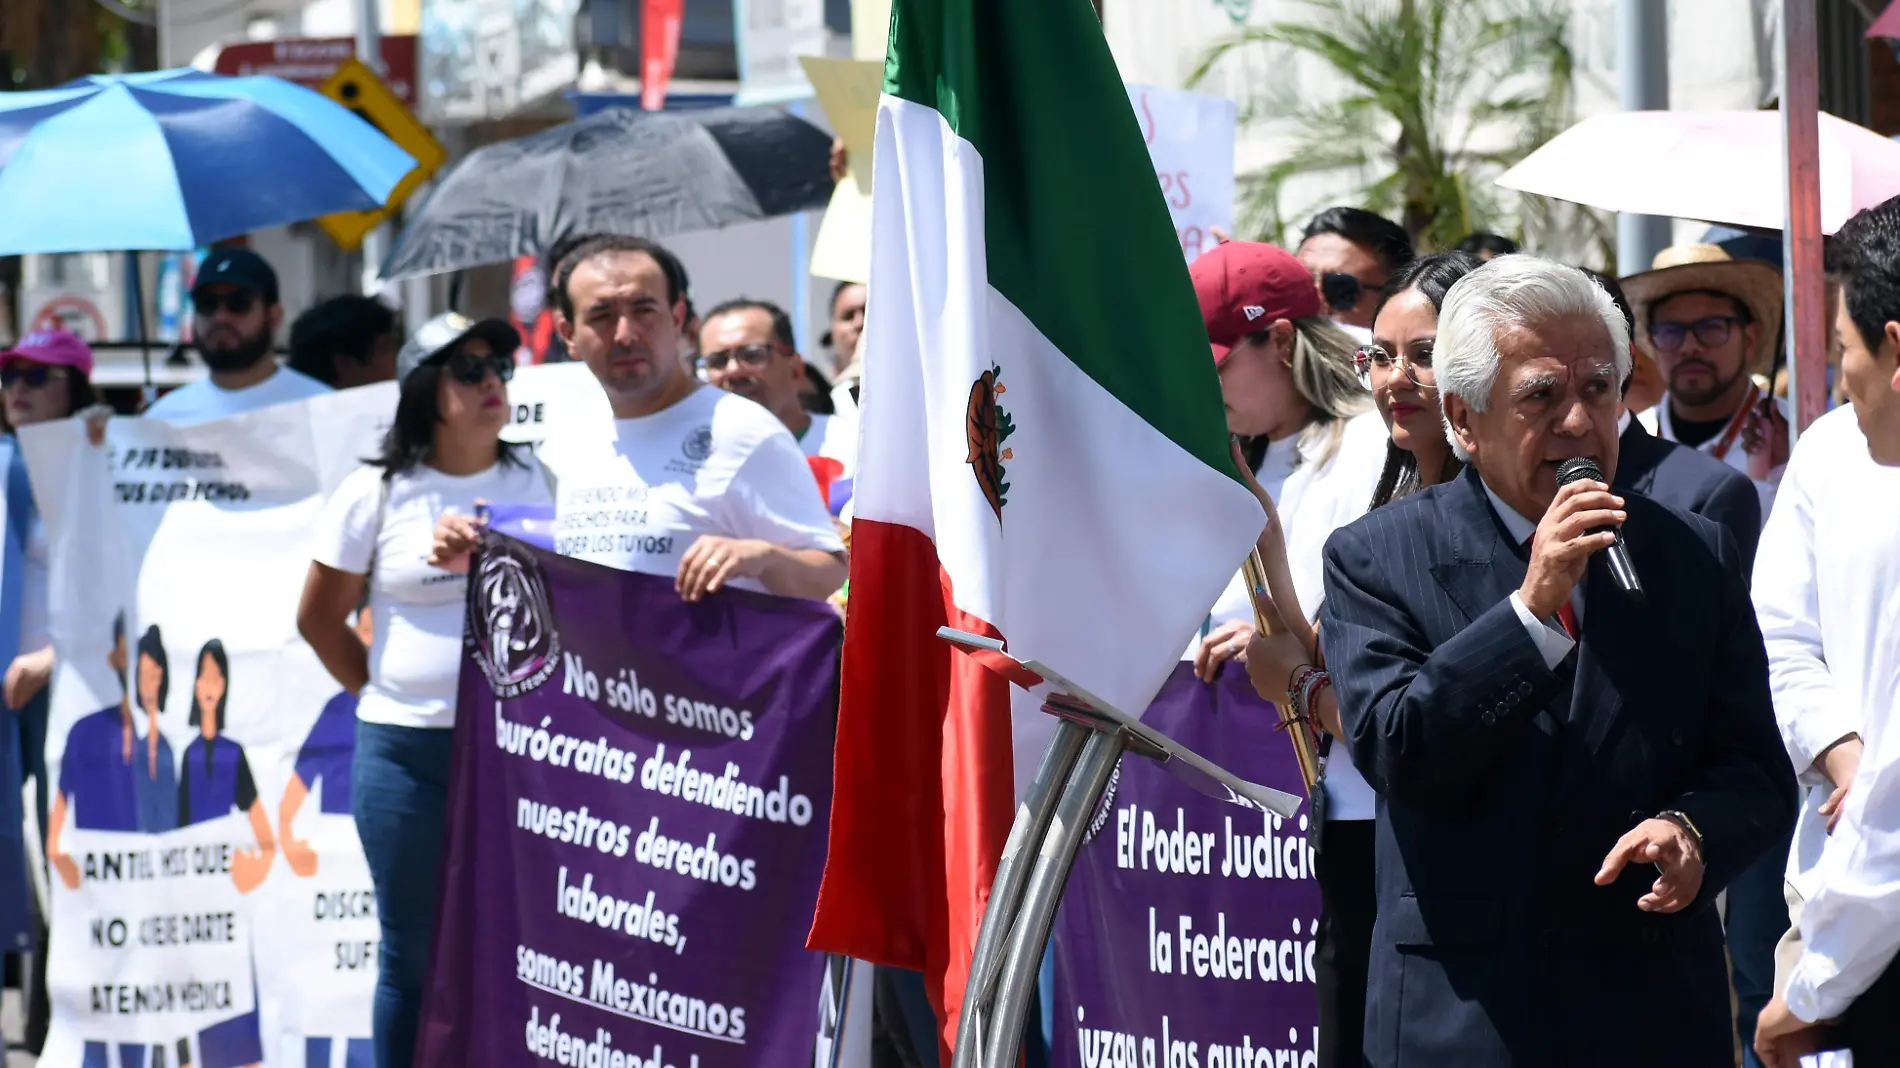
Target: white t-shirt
{"x": 715, "y": 463}
{"x": 204, "y": 401}
{"x": 416, "y": 609}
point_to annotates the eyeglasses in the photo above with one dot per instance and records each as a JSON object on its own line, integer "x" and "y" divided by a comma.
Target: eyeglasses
{"x": 1710, "y": 333}
{"x": 34, "y": 376}
{"x": 237, "y": 301}
{"x": 1376, "y": 366}
{"x": 752, "y": 357}
{"x": 473, "y": 370}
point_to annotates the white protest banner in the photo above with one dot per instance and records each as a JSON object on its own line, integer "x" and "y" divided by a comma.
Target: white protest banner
{"x": 1191, "y": 139}
{"x": 768, "y": 38}
{"x": 211, "y": 904}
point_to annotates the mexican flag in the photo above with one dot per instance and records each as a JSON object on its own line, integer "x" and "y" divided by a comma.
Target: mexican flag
{"x": 1043, "y": 458}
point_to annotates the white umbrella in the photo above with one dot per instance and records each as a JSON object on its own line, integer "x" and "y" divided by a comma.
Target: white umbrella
{"x": 1717, "y": 166}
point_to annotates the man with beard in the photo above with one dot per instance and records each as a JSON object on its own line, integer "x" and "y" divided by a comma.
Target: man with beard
{"x": 1710, "y": 322}
{"x": 696, "y": 483}
{"x": 235, "y": 317}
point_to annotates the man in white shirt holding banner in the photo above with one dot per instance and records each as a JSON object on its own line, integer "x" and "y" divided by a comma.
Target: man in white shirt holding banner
{"x": 1830, "y": 611}
{"x": 697, "y": 483}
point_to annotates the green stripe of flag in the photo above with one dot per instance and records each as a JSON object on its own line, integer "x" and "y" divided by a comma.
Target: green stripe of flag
{"x": 1078, "y": 236}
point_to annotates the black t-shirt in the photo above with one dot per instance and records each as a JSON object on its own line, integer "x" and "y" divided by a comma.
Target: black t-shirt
{"x": 1694, "y": 432}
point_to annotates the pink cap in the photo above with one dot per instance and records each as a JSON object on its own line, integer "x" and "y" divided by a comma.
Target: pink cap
{"x": 55, "y": 348}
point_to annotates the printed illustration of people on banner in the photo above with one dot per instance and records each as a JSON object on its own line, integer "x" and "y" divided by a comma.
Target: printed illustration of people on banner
{"x": 641, "y": 793}
{"x": 194, "y": 737}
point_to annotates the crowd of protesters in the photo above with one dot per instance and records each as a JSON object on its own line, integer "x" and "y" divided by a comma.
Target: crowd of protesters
{"x": 1341, "y": 398}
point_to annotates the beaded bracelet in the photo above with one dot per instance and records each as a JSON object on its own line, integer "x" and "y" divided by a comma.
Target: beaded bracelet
{"x": 1315, "y": 682}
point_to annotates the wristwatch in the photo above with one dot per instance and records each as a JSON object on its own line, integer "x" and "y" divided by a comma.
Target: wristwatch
{"x": 1682, "y": 820}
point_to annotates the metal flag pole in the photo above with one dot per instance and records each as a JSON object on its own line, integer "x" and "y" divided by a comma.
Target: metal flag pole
{"x": 1049, "y": 828}
{"x": 1298, "y": 729}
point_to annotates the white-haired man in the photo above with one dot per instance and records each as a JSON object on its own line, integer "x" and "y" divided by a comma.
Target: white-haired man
{"x": 1568, "y": 775}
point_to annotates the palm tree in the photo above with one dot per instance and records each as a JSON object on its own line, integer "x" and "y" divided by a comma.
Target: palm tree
{"x": 1440, "y": 96}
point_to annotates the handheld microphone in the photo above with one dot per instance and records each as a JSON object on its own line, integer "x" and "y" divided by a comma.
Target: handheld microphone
{"x": 1583, "y": 468}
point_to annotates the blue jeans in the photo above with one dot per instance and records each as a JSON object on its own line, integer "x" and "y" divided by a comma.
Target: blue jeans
{"x": 400, "y": 800}
{"x": 1757, "y": 918}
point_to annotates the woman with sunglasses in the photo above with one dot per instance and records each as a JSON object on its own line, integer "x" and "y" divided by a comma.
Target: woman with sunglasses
{"x": 1396, "y": 365}
{"x": 443, "y": 453}
{"x": 47, "y": 376}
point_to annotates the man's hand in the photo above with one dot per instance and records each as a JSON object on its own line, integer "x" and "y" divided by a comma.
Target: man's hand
{"x": 1222, "y": 644}
{"x": 1669, "y": 846}
{"x": 1561, "y": 548}
{"x": 455, "y": 539}
{"x": 712, "y": 561}
{"x": 27, "y": 676}
{"x": 1840, "y": 763}
{"x": 1782, "y": 1038}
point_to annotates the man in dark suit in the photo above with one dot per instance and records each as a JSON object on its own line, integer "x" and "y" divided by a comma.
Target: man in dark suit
{"x": 1568, "y": 776}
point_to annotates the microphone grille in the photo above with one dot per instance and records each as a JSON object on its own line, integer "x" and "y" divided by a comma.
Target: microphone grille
{"x": 1578, "y": 469}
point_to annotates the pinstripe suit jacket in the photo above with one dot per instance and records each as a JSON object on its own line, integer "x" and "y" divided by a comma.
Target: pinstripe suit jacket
{"x": 1503, "y": 783}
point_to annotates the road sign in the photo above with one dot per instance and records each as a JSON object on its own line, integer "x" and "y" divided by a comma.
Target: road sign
{"x": 357, "y": 87}
{"x": 311, "y": 61}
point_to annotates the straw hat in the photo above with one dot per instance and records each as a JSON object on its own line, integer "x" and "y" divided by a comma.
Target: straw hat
{"x": 1710, "y": 269}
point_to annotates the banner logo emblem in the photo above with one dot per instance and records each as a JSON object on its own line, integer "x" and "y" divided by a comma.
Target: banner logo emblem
{"x": 511, "y": 628}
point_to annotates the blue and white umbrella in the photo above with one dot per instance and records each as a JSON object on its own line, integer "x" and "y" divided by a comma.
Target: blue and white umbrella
{"x": 177, "y": 159}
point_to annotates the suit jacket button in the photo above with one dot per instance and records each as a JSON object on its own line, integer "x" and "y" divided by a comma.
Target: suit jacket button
{"x": 1676, "y": 736}
{"x": 1650, "y": 937}
{"x": 1488, "y": 717}
{"x": 1510, "y": 699}
{"x": 1636, "y": 816}
{"x": 1523, "y": 689}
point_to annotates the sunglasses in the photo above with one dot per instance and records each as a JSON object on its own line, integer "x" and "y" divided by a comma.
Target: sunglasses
{"x": 238, "y": 302}
{"x": 1710, "y": 333}
{"x": 35, "y": 376}
{"x": 752, "y": 357}
{"x": 473, "y": 370}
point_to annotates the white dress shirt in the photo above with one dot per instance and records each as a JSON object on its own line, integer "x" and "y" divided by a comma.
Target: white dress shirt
{"x": 1850, "y": 926}
{"x": 1550, "y": 638}
{"x": 1658, "y": 422}
{"x": 1829, "y": 560}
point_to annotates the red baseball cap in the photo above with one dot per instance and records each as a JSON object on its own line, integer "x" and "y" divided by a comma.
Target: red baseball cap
{"x": 1243, "y": 286}
{"x": 57, "y": 348}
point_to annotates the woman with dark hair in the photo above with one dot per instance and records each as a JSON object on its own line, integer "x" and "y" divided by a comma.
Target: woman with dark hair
{"x": 214, "y": 779}
{"x": 47, "y": 376}
{"x": 443, "y": 454}
{"x": 1397, "y": 367}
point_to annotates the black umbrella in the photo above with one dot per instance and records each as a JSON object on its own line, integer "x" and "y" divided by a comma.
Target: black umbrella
{"x": 646, "y": 174}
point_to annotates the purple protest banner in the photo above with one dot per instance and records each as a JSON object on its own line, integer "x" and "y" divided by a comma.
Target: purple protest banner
{"x": 1185, "y": 938}
{"x": 638, "y": 823}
